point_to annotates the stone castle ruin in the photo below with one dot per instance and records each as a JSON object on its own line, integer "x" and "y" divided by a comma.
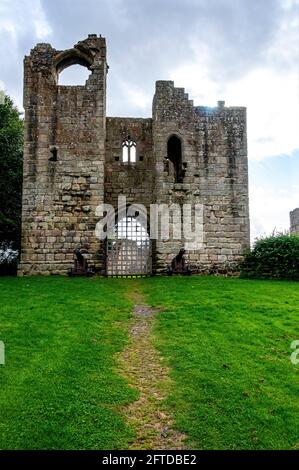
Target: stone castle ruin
{"x": 76, "y": 158}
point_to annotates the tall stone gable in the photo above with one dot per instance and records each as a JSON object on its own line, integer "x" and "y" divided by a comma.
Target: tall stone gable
{"x": 73, "y": 162}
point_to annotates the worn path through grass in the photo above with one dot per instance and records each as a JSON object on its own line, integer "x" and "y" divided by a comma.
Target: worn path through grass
{"x": 207, "y": 356}
{"x": 227, "y": 345}
{"x": 142, "y": 365}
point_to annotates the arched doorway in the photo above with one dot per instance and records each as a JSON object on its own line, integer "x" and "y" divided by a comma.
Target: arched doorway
{"x": 129, "y": 250}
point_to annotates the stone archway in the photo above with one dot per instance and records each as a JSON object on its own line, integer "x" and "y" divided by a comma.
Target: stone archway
{"x": 129, "y": 249}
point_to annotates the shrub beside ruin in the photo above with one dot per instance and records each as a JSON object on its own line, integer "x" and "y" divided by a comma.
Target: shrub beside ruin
{"x": 274, "y": 257}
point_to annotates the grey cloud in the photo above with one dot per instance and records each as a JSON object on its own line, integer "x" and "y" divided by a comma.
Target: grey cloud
{"x": 148, "y": 38}
{"x": 12, "y": 51}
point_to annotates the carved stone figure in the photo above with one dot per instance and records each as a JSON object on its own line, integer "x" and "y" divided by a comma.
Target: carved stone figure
{"x": 80, "y": 265}
{"x": 178, "y": 265}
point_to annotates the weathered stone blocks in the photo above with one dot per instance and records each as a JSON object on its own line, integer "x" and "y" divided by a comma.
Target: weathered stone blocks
{"x": 73, "y": 162}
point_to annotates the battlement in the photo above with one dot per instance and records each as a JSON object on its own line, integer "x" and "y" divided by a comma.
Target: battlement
{"x": 167, "y": 87}
{"x": 166, "y": 93}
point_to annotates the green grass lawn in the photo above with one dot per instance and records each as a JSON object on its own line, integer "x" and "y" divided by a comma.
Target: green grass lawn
{"x": 227, "y": 342}
{"x": 58, "y": 389}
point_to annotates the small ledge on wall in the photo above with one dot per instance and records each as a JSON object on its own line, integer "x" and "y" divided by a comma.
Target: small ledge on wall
{"x": 180, "y": 187}
{"x": 139, "y": 160}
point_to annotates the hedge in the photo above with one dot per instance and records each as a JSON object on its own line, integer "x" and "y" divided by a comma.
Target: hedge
{"x": 274, "y": 257}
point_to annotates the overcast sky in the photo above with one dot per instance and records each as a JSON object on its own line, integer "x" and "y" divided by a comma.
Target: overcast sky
{"x": 245, "y": 52}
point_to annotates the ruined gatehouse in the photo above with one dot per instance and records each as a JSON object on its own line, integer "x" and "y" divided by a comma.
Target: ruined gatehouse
{"x": 76, "y": 158}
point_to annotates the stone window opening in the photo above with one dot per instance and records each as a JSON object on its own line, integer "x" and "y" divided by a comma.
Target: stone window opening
{"x": 129, "y": 150}
{"x": 74, "y": 75}
{"x": 174, "y": 157}
{"x": 53, "y": 154}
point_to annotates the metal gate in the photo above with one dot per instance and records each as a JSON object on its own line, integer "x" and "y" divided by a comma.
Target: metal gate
{"x": 129, "y": 250}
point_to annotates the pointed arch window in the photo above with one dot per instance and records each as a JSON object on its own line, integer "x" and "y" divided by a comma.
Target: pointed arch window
{"x": 129, "y": 150}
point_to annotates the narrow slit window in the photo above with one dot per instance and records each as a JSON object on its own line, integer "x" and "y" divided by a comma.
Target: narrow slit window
{"x": 174, "y": 155}
{"x": 53, "y": 154}
{"x": 129, "y": 150}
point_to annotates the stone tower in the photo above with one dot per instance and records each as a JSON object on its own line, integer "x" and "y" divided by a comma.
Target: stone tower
{"x": 294, "y": 219}
{"x": 76, "y": 158}
{"x": 65, "y": 129}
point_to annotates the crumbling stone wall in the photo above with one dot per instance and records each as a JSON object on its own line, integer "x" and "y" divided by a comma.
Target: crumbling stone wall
{"x": 73, "y": 162}
{"x": 214, "y": 155}
{"x": 294, "y": 218}
{"x": 135, "y": 180}
{"x": 63, "y": 156}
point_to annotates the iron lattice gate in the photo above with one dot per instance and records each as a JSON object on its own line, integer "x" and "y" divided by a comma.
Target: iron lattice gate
{"x": 129, "y": 250}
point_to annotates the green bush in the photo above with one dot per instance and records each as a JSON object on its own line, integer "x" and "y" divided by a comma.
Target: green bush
{"x": 274, "y": 257}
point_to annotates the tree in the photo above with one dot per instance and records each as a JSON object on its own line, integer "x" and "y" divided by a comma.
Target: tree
{"x": 11, "y": 153}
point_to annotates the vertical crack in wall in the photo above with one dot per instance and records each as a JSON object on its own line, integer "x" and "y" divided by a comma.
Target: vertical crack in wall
{"x": 141, "y": 364}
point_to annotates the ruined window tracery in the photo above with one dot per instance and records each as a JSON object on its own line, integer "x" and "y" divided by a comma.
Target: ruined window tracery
{"x": 129, "y": 150}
